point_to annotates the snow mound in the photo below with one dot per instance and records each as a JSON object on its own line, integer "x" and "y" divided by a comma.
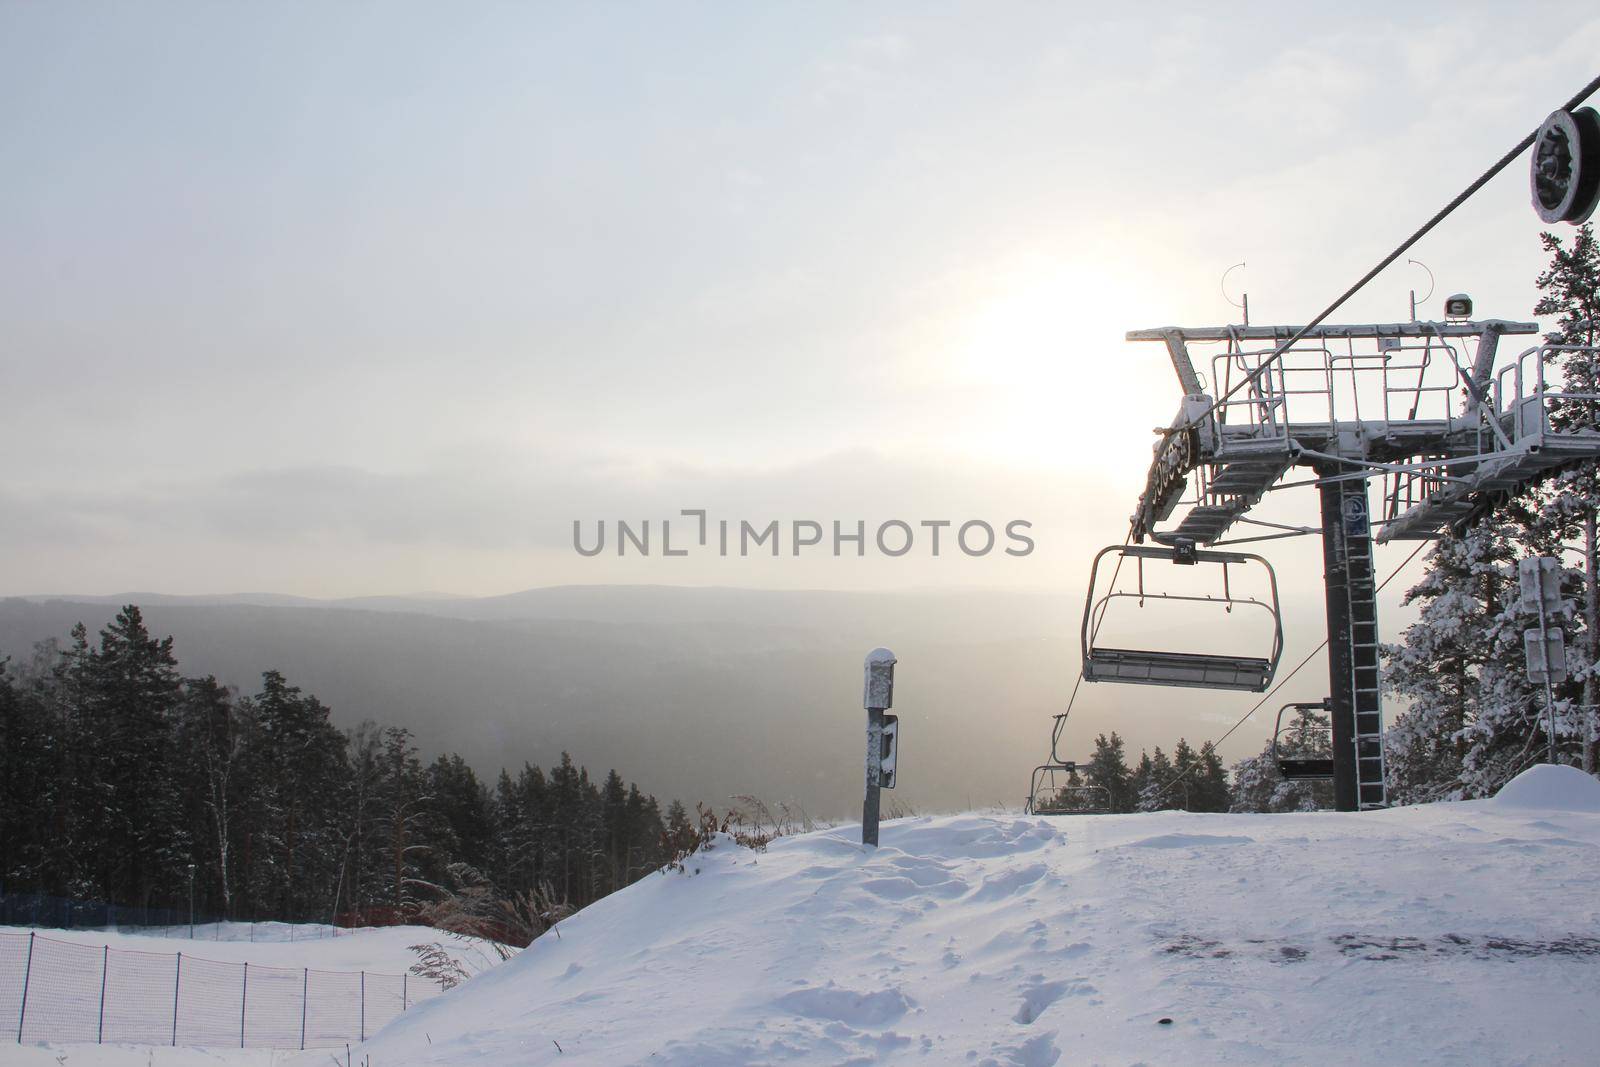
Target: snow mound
{"x": 1169, "y": 937}
{"x": 1550, "y": 788}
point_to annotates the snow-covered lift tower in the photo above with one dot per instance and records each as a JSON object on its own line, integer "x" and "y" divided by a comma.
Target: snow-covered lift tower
{"x": 1419, "y": 405}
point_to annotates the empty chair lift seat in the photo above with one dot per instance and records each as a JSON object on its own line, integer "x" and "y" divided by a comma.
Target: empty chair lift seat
{"x": 1160, "y": 666}
{"x": 1193, "y": 669}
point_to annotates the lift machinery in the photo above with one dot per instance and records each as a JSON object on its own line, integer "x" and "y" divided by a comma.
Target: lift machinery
{"x": 1420, "y": 406}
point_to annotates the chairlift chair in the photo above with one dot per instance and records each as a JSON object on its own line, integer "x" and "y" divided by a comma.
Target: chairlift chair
{"x": 1071, "y": 800}
{"x": 1052, "y": 790}
{"x": 1166, "y": 667}
{"x": 1303, "y": 750}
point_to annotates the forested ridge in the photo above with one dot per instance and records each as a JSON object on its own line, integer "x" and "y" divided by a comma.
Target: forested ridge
{"x": 117, "y": 773}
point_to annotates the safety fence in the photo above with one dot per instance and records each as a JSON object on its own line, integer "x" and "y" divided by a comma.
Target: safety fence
{"x": 59, "y": 991}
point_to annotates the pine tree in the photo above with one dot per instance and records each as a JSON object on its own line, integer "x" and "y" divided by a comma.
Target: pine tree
{"x": 1183, "y": 768}
{"x": 25, "y": 780}
{"x": 295, "y": 760}
{"x": 135, "y": 824}
{"x": 1570, "y": 288}
{"x": 463, "y": 808}
{"x": 1210, "y": 790}
{"x": 1108, "y": 769}
{"x": 1157, "y": 791}
{"x": 212, "y": 735}
{"x": 406, "y": 822}
{"x": 1436, "y": 667}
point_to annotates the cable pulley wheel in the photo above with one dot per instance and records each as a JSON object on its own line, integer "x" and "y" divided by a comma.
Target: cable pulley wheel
{"x": 1564, "y": 175}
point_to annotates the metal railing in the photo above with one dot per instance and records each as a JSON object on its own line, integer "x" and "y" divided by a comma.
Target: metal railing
{"x": 1520, "y": 409}
{"x": 1315, "y": 384}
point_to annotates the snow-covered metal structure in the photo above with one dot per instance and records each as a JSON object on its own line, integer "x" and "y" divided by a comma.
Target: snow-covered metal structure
{"x": 1420, "y": 406}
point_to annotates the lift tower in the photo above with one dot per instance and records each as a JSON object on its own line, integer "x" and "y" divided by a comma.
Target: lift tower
{"x": 1420, "y": 406}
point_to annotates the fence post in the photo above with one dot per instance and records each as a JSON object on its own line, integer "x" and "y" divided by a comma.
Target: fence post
{"x": 305, "y": 991}
{"x": 244, "y": 991}
{"x": 27, "y": 972}
{"x": 363, "y": 1005}
{"x": 177, "y": 977}
{"x": 403, "y": 1004}
{"x": 105, "y": 965}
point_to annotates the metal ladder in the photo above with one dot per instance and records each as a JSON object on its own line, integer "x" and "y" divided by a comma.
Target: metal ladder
{"x": 1361, "y": 592}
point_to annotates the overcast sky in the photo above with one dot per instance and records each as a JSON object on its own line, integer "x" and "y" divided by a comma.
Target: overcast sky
{"x": 350, "y": 299}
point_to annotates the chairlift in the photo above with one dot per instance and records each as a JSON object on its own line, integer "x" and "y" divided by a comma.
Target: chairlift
{"x": 1165, "y": 667}
{"x": 1056, "y": 788}
{"x": 1303, "y": 747}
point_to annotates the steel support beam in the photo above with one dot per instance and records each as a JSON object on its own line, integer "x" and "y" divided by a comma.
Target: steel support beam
{"x": 1355, "y": 704}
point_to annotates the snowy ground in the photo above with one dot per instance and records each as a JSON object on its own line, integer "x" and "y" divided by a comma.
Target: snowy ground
{"x": 1452, "y": 933}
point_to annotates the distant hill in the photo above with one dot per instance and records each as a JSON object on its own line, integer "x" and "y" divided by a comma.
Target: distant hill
{"x": 696, "y": 693}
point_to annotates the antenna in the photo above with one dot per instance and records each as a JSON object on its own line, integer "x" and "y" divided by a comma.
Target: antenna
{"x": 1424, "y": 266}
{"x": 1243, "y": 303}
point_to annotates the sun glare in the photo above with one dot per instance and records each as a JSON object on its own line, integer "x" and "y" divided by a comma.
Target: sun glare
{"x": 1046, "y": 344}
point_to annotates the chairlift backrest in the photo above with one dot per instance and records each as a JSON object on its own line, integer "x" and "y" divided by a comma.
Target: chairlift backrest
{"x": 1170, "y": 667}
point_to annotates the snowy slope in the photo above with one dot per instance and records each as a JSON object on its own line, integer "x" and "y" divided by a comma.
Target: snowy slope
{"x": 1453, "y": 933}
{"x": 1445, "y": 934}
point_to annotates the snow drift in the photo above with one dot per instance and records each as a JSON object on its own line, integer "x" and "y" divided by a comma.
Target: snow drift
{"x": 1551, "y": 788}
{"x": 1442, "y": 934}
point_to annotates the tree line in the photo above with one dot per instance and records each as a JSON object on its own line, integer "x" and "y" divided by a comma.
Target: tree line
{"x": 1189, "y": 779}
{"x": 122, "y": 781}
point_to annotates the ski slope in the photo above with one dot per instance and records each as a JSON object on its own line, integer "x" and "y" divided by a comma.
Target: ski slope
{"x": 1444, "y": 934}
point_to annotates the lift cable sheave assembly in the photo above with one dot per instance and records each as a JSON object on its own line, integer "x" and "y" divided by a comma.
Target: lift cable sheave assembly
{"x": 1102, "y": 663}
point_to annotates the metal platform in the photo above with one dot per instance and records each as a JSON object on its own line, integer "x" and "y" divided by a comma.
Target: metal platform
{"x": 1419, "y": 404}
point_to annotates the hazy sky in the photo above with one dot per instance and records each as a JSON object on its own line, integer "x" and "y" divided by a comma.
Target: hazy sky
{"x": 347, "y": 299}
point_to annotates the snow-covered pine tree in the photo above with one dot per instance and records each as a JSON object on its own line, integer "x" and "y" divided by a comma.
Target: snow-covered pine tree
{"x": 1257, "y": 785}
{"x": 1436, "y": 666}
{"x": 1210, "y": 786}
{"x": 1154, "y": 794}
{"x": 1254, "y": 779}
{"x": 1183, "y": 768}
{"x": 1108, "y": 769}
{"x": 1570, "y": 288}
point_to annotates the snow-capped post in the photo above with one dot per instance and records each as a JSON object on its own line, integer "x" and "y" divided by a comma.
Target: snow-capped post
{"x": 877, "y": 698}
